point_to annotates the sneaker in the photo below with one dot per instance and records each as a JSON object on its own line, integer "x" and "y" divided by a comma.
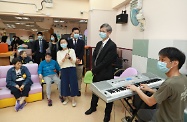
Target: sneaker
{"x": 61, "y": 99}
{"x": 74, "y": 104}
{"x": 17, "y": 106}
{"x": 49, "y": 102}
{"x": 66, "y": 101}
{"x": 23, "y": 104}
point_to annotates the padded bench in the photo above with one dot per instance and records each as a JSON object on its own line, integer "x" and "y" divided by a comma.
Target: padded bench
{"x": 35, "y": 94}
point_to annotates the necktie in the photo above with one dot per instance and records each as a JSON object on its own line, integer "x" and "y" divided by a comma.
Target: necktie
{"x": 41, "y": 46}
{"x": 75, "y": 43}
{"x": 98, "y": 54}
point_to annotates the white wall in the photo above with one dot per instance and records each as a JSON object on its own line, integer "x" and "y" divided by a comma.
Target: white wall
{"x": 96, "y": 19}
{"x": 125, "y": 33}
{"x": 165, "y": 19}
{"x": 100, "y": 4}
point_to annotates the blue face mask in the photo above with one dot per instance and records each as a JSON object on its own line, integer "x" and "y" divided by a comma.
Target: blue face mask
{"x": 162, "y": 66}
{"x": 76, "y": 36}
{"x": 102, "y": 35}
{"x": 63, "y": 45}
{"x": 39, "y": 37}
{"x": 31, "y": 40}
{"x": 52, "y": 38}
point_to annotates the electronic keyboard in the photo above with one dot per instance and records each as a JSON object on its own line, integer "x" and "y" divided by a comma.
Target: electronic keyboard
{"x": 114, "y": 89}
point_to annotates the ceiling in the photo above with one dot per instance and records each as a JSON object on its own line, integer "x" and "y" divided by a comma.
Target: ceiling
{"x": 35, "y": 23}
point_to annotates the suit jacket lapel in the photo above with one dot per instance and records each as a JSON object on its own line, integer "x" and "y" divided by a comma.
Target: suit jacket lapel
{"x": 105, "y": 47}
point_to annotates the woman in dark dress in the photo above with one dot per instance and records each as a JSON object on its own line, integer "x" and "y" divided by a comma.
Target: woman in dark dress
{"x": 53, "y": 46}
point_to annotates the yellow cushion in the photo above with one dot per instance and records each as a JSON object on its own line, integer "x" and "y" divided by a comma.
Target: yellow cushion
{"x": 7, "y": 102}
{"x": 34, "y": 97}
{"x": 11, "y": 101}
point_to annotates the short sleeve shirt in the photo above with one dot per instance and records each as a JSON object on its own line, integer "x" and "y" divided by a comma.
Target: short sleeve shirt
{"x": 172, "y": 99}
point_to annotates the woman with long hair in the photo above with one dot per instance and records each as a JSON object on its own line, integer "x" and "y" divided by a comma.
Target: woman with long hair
{"x": 53, "y": 46}
{"x": 66, "y": 58}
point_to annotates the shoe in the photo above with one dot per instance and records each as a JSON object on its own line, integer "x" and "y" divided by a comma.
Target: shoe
{"x": 49, "y": 102}
{"x": 61, "y": 99}
{"x": 23, "y": 104}
{"x": 79, "y": 93}
{"x": 17, "y": 106}
{"x": 74, "y": 104}
{"x": 89, "y": 111}
{"x": 106, "y": 119}
{"x": 66, "y": 101}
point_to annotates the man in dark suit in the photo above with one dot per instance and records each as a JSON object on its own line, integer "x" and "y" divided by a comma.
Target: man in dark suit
{"x": 104, "y": 55}
{"x": 40, "y": 47}
{"x": 78, "y": 45}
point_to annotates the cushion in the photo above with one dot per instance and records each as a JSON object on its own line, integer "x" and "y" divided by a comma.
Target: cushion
{"x": 5, "y": 92}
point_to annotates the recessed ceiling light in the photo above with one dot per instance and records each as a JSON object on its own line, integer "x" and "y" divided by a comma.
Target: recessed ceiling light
{"x": 29, "y": 25}
{"x": 83, "y": 21}
{"x": 18, "y": 17}
{"x": 17, "y": 23}
{"x": 56, "y": 21}
{"x": 34, "y": 29}
{"x": 61, "y": 21}
{"x": 25, "y": 18}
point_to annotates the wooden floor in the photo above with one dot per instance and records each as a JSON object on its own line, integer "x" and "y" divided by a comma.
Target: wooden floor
{"x": 40, "y": 112}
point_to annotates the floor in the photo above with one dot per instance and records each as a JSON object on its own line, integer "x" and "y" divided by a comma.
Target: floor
{"x": 40, "y": 112}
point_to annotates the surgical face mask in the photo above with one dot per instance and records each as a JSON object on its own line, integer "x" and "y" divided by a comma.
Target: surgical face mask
{"x": 76, "y": 36}
{"x": 102, "y": 35}
{"x": 52, "y": 38}
{"x": 31, "y": 40}
{"x": 162, "y": 66}
{"x": 39, "y": 37}
{"x": 63, "y": 45}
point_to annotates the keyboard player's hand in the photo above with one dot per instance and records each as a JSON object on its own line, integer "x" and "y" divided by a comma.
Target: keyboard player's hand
{"x": 132, "y": 87}
{"x": 144, "y": 87}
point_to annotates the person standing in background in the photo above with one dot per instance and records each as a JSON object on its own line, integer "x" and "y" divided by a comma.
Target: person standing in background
{"x": 4, "y": 39}
{"x": 104, "y": 56}
{"x": 15, "y": 43}
{"x": 66, "y": 58}
{"x": 40, "y": 47}
{"x": 78, "y": 45}
{"x": 31, "y": 45}
{"x": 53, "y": 46}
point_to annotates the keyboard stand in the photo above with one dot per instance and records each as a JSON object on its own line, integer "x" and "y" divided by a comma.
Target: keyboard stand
{"x": 133, "y": 110}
